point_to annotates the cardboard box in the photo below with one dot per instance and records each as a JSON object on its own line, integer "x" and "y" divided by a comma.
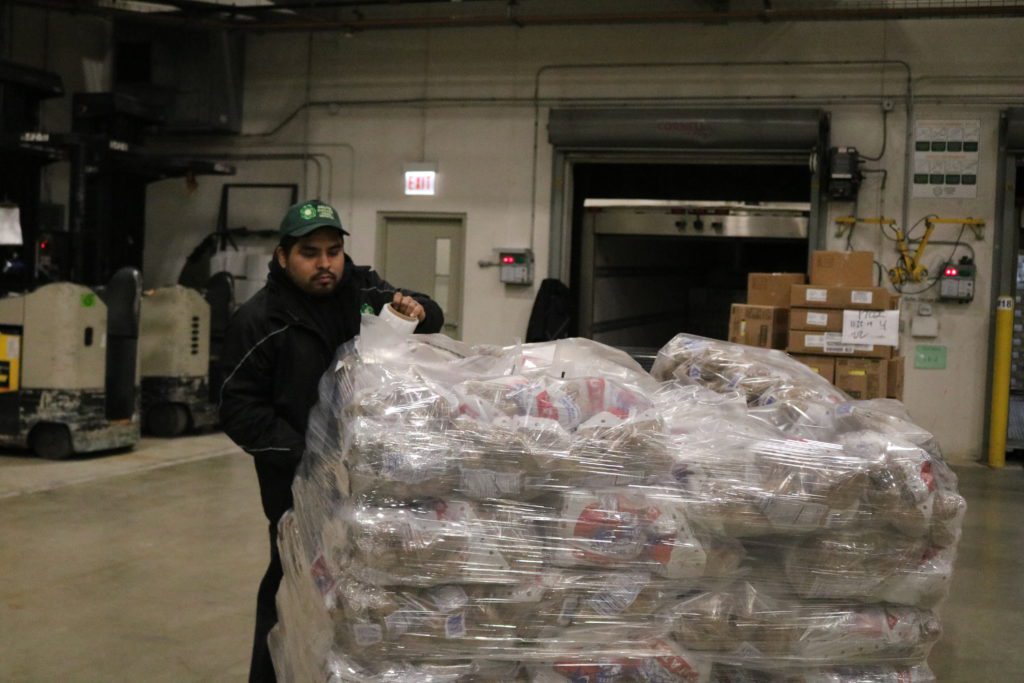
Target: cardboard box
{"x": 897, "y": 366}
{"x": 862, "y": 378}
{"x": 843, "y": 268}
{"x": 821, "y": 319}
{"x": 764, "y": 326}
{"x": 831, "y": 344}
{"x": 823, "y": 365}
{"x": 772, "y": 289}
{"x": 857, "y": 298}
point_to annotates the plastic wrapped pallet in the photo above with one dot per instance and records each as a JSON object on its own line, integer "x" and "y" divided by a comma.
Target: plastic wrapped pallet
{"x": 552, "y": 513}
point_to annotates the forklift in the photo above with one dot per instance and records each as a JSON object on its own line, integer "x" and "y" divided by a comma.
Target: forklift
{"x": 68, "y": 367}
{"x": 109, "y": 178}
{"x": 70, "y": 320}
{"x": 68, "y": 361}
{"x": 182, "y": 336}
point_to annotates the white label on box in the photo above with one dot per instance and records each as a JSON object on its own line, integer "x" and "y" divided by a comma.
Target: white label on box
{"x": 819, "y": 295}
{"x": 874, "y": 327}
{"x": 834, "y": 343}
{"x": 817, "y": 319}
{"x": 859, "y": 296}
{"x": 815, "y": 341}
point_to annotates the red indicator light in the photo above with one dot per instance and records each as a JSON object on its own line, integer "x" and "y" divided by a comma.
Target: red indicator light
{"x": 952, "y": 272}
{"x": 508, "y": 259}
{"x": 44, "y": 245}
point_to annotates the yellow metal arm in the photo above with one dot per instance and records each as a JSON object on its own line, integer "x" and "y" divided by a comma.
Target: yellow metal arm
{"x": 908, "y": 266}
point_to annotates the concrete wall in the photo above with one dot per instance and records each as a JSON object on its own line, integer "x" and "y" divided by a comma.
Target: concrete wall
{"x": 484, "y": 151}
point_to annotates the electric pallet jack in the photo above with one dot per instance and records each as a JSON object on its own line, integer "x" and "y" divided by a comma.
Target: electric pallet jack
{"x": 182, "y": 333}
{"x": 69, "y": 380}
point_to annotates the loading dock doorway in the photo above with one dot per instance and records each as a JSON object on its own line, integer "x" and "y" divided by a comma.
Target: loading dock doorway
{"x": 661, "y": 249}
{"x": 658, "y": 216}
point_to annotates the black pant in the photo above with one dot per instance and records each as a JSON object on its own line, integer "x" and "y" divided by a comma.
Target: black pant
{"x": 261, "y": 668}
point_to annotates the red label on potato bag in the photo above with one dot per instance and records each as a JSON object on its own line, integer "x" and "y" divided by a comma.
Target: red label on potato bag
{"x": 661, "y": 551}
{"x": 321, "y": 575}
{"x": 927, "y": 476}
{"x": 614, "y": 528}
{"x": 595, "y": 392}
{"x": 545, "y": 408}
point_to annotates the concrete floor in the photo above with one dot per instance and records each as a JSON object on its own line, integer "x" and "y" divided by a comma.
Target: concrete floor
{"x": 137, "y": 573}
{"x": 144, "y": 567}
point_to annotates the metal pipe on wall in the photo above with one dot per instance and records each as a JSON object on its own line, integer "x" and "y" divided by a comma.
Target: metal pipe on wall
{"x": 314, "y": 158}
{"x": 326, "y": 190}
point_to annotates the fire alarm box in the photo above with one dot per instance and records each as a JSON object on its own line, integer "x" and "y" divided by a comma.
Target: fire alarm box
{"x": 956, "y": 281}
{"x": 515, "y": 266}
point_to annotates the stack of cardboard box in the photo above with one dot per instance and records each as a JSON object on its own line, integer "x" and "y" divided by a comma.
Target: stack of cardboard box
{"x": 842, "y": 281}
{"x": 764, "y": 320}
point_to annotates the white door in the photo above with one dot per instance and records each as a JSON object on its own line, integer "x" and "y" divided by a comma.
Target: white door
{"x": 425, "y": 252}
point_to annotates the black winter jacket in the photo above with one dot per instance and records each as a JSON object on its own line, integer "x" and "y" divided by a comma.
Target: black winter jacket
{"x": 274, "y": 355}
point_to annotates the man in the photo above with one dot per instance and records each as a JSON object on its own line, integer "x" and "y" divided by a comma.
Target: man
{"x": 278, "y": 345}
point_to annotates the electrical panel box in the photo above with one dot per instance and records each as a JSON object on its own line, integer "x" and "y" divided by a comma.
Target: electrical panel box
{"x": 956, "y": 282}
{"x": 844, "y": 174}
{"x": 515, "y": 266}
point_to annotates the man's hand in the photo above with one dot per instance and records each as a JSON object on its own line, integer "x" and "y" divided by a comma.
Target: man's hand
{"x": 408, "y": 306}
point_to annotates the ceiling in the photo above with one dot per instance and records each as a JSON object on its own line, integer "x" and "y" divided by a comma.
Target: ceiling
{"x": 375, "y": 15}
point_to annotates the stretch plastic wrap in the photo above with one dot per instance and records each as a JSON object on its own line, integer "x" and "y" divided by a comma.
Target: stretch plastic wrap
{"x": 552, "y": 513}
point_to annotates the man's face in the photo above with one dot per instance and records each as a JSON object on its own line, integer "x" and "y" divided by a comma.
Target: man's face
{"x": 315, "y": 263}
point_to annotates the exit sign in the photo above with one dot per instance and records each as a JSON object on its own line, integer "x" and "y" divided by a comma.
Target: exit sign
{"x": 420, "y": 182}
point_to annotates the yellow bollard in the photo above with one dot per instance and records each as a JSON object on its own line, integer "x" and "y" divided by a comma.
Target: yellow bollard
{"x": 1001, "y": 383}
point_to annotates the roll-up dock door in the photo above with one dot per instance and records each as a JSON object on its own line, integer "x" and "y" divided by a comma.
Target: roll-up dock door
{"x": 659, "y": 214}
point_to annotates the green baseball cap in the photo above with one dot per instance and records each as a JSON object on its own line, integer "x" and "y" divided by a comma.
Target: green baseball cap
{"x": 305, "y": 217}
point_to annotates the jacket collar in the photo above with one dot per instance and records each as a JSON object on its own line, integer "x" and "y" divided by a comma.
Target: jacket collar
{"x": 283, "y": 295}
